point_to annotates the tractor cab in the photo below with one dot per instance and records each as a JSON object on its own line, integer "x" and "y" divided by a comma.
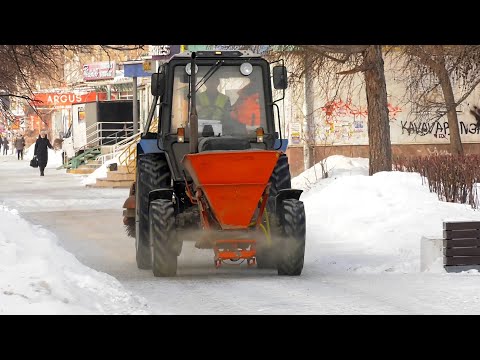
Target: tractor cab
{"x": 233, "y": 102}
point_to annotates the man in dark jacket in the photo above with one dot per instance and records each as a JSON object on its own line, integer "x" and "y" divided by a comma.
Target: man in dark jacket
{"x": 41, "y": 151}
{"x": 5, "y": 145}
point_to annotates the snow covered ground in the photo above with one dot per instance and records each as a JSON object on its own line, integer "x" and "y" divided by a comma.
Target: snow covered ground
{"x": 372, "y": 223}
{"x": 362, "y": 254}
{"x": 37, "y": 276}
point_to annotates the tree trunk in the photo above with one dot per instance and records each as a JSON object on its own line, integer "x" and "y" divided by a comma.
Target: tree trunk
{"x": 380, "y": 149}
{"x": 446, "y": 84}
{"x": 308, "y": 123}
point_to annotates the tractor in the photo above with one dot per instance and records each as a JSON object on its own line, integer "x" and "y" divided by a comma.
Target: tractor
{"x": 227, "y": 180}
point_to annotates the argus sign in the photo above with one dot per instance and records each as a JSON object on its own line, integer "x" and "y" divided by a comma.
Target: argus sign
{"x": 65, "y": 99}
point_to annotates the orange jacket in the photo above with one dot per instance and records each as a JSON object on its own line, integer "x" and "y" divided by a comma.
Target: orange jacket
{"x": 247, "y": 110}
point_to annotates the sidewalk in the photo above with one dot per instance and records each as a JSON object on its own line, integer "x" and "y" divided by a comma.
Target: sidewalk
{"x": 22, "y": 188}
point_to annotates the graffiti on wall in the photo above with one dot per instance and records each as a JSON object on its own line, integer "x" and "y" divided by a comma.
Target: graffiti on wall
{"x": 347, "y": 122}
{"x": 476, "y": 114}
{"x": 440, "y": 129}
{"x": 437, "y": 129}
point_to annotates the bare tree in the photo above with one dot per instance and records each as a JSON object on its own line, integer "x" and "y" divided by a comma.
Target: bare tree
{"x": 449, "y": 70}
{"x": 25, "y": 68}
{"x": 349, "y": 60}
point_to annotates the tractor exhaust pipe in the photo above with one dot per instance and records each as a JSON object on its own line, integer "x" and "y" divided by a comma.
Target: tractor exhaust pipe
{"x": 193, "y": 107}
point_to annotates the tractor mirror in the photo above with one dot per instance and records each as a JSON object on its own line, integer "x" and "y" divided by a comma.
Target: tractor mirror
{"x": 280, "y": 77}
{"x": 158, "y": 84}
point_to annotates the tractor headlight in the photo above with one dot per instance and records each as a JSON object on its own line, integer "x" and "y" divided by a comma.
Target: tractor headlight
{"x": 188, "y": 68}
{"x": 246, "y": 68}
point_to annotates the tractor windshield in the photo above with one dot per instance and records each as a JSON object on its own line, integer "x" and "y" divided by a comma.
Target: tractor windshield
{"x": 228, "y": 102}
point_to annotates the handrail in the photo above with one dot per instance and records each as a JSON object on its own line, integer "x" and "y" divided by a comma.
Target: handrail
{"x": 100, "y": 140}
{"x": 118, "y": 149}
{"x": 126, "y": 147}
{"x": 130, "y": 159}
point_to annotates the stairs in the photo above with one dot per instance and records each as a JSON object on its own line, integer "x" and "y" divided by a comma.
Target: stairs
{"x": 115, "y": 179}
{"x": 86, "y": 157}
{"x": 87, "y": 168}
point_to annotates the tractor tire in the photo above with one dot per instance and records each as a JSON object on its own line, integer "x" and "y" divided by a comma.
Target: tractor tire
{"x": 291, "y": 249}
{"x": 152, "y": 173}
{"x": 280, "y": 179}
{"x": 266, "y": 257}
{"x": 163, "y": 236}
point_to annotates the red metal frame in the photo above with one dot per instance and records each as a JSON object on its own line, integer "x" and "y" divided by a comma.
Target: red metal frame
{"x": 231, "y": 189}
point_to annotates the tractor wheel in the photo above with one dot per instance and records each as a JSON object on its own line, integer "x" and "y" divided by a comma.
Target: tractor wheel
{"x": 163, "y": 237}
{"x": 280, "y": 179}
{"x": 152, "y": 173}
{"x": 266, "y": 257}
{"x": 292, "y": 242}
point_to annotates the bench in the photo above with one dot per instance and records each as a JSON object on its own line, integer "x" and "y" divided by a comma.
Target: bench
{"x": 461, "y": 245}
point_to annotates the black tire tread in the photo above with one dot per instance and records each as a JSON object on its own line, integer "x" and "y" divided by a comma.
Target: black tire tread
{"x": 162, "y": 229}
{"x": 279, "y": 180}
{"x": 152, "y": 173}
{"x": 292, "y": 251}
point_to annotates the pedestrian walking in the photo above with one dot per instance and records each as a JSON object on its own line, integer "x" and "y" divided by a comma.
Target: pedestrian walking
{"x": 41, "y": 151}
{"x": 19, "y": 144}
{"x": 5, "y": 146}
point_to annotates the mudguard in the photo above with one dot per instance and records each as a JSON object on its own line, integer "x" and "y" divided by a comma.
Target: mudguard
{"x": 148, "y": 146}
{"x": 156, "y": 194}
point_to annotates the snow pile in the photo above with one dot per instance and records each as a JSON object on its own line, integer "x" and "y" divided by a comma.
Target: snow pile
{"x": 372, "y": 223}
{"x": 336, "y": 166}
{"x": 37, "y": 276}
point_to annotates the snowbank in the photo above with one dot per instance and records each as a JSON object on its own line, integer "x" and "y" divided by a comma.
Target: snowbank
{"x": 371, "y": 223}
{"x": 37, "y": 276}
{"x": 336, "y": 166}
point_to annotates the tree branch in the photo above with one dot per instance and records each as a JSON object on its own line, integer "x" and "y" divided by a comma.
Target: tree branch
{"x": 361, "y": 68}
{"x": 468, "y": 92}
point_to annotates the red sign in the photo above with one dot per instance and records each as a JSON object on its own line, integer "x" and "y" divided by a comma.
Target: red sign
{"x": 99, "y": 71}
{"x": 65, "y": 99}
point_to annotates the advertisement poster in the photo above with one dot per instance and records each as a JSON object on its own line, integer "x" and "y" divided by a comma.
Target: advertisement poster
{"x": 295, "y": 133}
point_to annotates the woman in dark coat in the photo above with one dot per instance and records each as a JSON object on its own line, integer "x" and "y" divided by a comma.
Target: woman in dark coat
{"x": 41, "y": 151}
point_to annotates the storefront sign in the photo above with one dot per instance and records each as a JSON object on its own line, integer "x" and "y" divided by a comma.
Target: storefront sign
{"x": 66, "y": 99}
{"x": 163, "y": 52}
{"x": 99, "y": 71}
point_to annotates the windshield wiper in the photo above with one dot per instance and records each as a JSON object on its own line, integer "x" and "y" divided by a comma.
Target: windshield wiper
{"x": 209, "y": 73}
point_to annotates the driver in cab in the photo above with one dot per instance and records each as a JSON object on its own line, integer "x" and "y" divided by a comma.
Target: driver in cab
{"x": 213, "y": 105}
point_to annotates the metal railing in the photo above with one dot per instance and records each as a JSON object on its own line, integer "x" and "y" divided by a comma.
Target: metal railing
{"x": 118, "y": 148}
{"x": 98, "y": 135}
{"x": 126, "y": 149}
